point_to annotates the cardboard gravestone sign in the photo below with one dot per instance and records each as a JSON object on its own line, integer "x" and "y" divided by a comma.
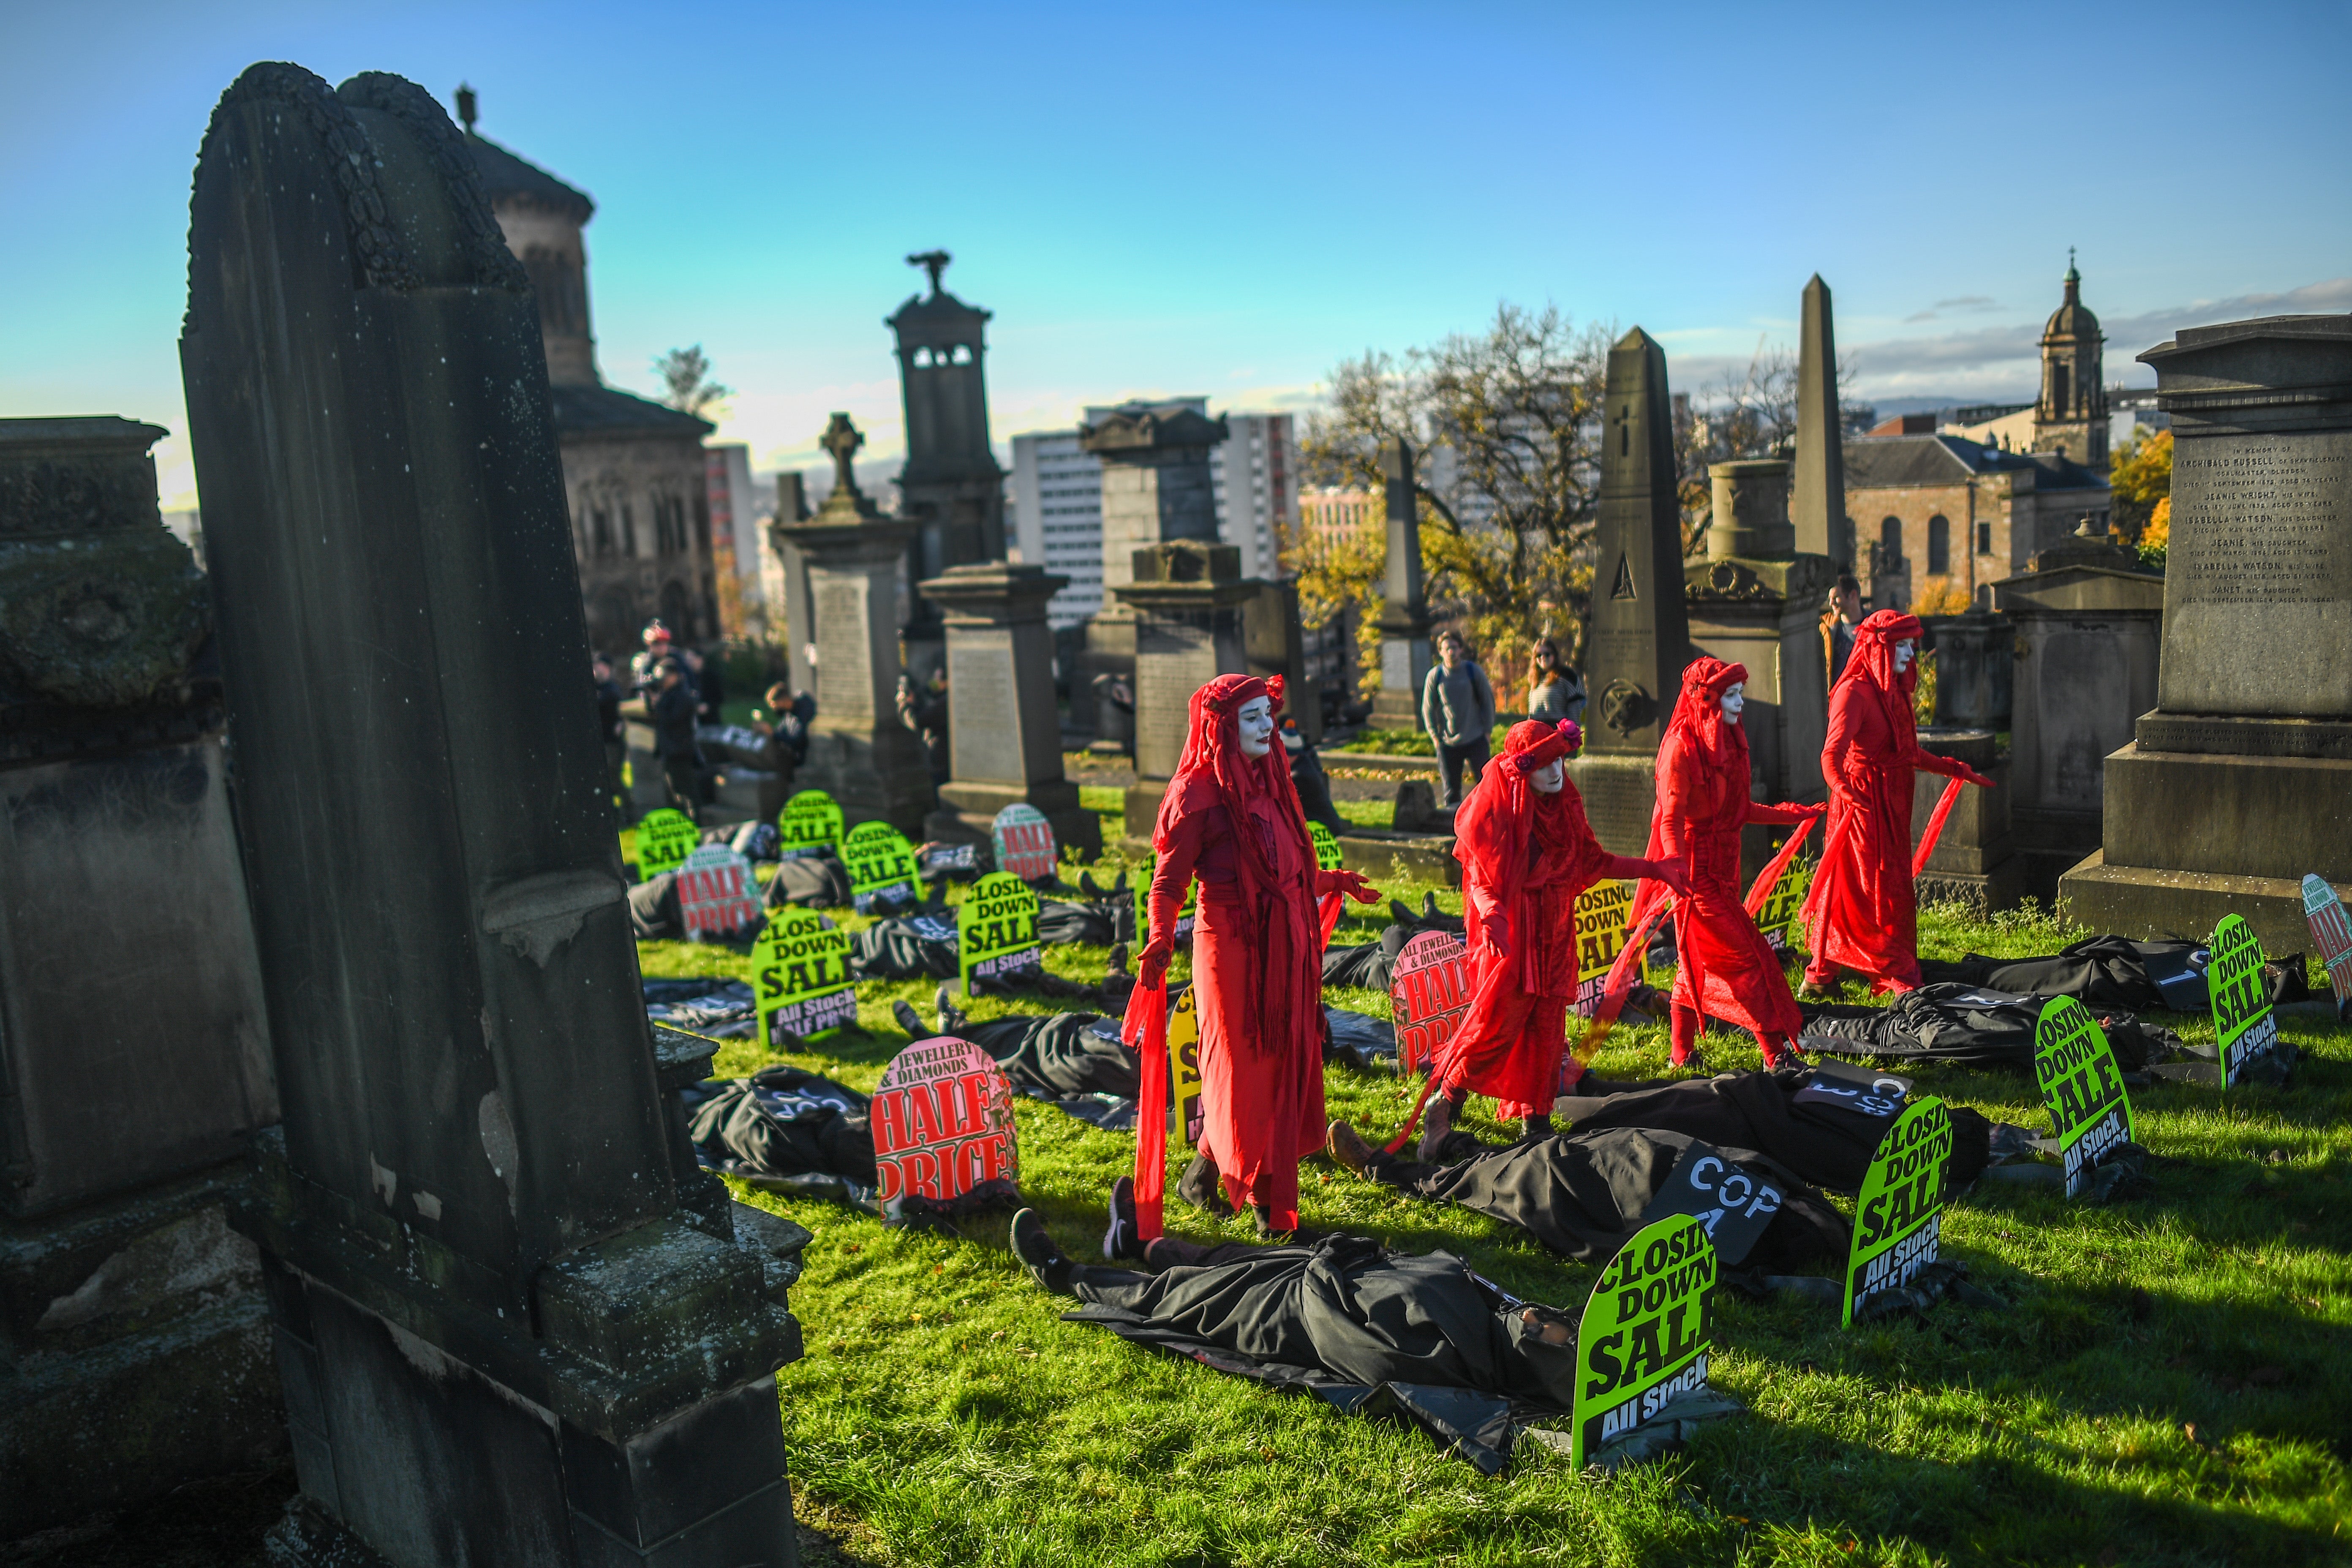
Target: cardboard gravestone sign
{"x": 1850, "y": 1088}
{"x": 950, "y": 858}
{"x": 1734, "y": 1202}
{"x": 2090, "y": 1112}
{"x": 1777, "y": 919}
{"x": 665, "y": 838}
{"x": 1184, "y": 1067}
{"x": 2331, "y": 935}
{"x": 1899, "y": 1213}
{"x": 1602, "y": 913}
{"x": 996, "y": 929}
{"x": 810, "y": 824}
{"x": 1643, "y": 1341}
{"x": 1024, "y": 842}
{"x": 715, "y": 894}
{"x": 800, "y": 977}
{"x": 881, "y": 866}
{"x": 1429, "y": 993}
{"x": 942, "y": 1122}
{"x": 2243, "y": 1025}
{"x": 1327, "y": 846}
{"x": 1143, "y": 906}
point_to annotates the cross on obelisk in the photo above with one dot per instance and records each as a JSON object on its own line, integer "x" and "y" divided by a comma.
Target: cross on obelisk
{"x": 842, "y": 440}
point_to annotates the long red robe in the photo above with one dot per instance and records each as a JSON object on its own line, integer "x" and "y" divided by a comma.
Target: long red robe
{"x": 1511, "y": 1042}
{"x": 1862, "y": 912}
{"x": 1258, "y": 976}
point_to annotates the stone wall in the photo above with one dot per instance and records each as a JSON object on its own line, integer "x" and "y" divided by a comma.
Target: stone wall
{"x": 629, "y": 496}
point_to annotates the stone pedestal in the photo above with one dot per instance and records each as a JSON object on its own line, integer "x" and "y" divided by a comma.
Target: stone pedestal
{"x": 2239, "y": 782}
{"x": 859, "y": 751}
{"x": 1189, "y": 601}
{"x": 1976, "y": 860}
{"x": 1156, "y": 489}
{"x": 1273, "y": 642}
{"x": 2086, "y": 621}
{"x": 1004, "y": 735}
{"x": 1975, "y": 663}
{"x": 1640, "y": 639}
{"x": 506, "y": 1332}
{"x": 134, "y": 1052}
{"x": 1405, "y": 655}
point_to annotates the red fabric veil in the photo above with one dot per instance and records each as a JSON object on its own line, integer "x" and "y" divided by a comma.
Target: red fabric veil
{"x": 1495, "y": 825}
{"x": 1872, "y": 664}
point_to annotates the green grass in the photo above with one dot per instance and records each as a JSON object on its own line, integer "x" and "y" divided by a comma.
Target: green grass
{"x": 2171, "y": 1385}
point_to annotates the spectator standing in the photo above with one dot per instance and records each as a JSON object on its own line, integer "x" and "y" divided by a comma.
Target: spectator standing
{"x": 1457, "y": 708}
{"x": 1555, "y": 690}
{"x": 924, "y": 709}
{"x": 641, "y": 675}
{"x": 794, "y": 711}
{"x": 1838, "y": 623}
{"x": 608, "y": 725}
{"x": 681, "y": 756}
{"x": 709, "y": 673}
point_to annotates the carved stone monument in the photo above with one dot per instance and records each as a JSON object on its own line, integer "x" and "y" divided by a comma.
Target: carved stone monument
{"x": 793, "y": 621}
{"x": 1004, "y": 737}
{"x": 1975, "y": 860}
{"x": 1275, "y": 643}
{"x": 134, "y": 1053}
{"x": 1188, "y": 600}
{"x": 951, "y": 487}
{"x": 859, "y": 752}
{"x": 2239, "y": 782}
{"x": 1641, "y": 636}
{"x": 1976, "y": 659}
{"x": 1822, "y": 527}
{"x": 1756, "y": 601}
{"x": 512, "y": 1325}
{"x": 1405, "y": 655}
{"x": 1156, "y": 490}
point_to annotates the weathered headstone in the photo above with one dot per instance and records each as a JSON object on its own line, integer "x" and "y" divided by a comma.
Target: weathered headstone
{"x": 1640, "y": 639}
{"x": 1004, "y": 735}
{"x": 996, "y": 930}
{"x": 1976, "y": 666}
{"x": 2090, "y": 1109}
{"x": 1156, "y": 489}
{"x": 2239, "y": 782}
{"x": 943, "y": 1130}
{"x": 859, "y": 751}
{"x": 717, "y": 897}
{"x": 1822, "y": 527}
{"x": 1023, "y": 841}
{"x": 2245, "y": 1029}
{"x": 1405, "y": 655}
{"x": 1975, "y": 861}
{"x": 134, "y": 1051}
{"x": 501, "y": 1335}
{"x": 1646, "y": 1334}
{"x": 1899, "y": 1212}
{"x": 800, "y": 982}
{"x": 1273, "y": 642}
{"x": 1187, "y": 601}
{"x": 1430, "y": 991}
{"x": 1756, "y": 601}
{"x": 2083, "y": 670}
{"x": 810, "y": 824}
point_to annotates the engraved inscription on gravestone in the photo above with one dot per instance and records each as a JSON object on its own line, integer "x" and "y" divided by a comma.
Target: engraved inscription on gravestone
{"x": 844, "y": 686}
{"x": 986, "y": 734}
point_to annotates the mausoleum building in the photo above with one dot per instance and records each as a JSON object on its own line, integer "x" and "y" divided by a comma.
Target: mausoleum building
{"x": 1941, "y": 509}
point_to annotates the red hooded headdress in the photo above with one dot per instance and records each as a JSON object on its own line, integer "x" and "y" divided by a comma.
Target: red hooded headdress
{"x": 1873, "y": 663}
{"x": 1698, "y": 712}
{"x": 1504, "y": 811}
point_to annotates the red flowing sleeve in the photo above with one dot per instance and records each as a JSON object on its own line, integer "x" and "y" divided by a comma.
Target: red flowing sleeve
{"x": 1776, "y": 815}
{"x": 1846, "y": 753}
{"x": 1930, "y": 762}
{"x": 1588, "y": 862}
{"x": 1187, "y": 834}
{"x": 1681, "y": 791}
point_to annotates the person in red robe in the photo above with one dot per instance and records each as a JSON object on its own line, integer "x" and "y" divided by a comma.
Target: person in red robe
{"x": 1527, "y": 851}
{"x": 1724, "y": 967}
{"x": 1861, "y": 912}
{"x": 1232, "y": 818}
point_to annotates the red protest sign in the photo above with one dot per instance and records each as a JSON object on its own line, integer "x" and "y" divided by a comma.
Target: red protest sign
{"x": 1429, "y": 992}
{"x": 942, "y": 1122}
{"x": 715, "y": 894}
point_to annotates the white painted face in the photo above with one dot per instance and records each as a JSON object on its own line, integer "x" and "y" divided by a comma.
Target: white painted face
{"x": 1735, "y": 697}
{"x": 1256, "y": 725}
{"x": 1903, "y": 651}
{"x": 1547, "y": 779}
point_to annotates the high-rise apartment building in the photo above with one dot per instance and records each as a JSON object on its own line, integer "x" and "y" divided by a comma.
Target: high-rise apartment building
{"x": 1056, "y": 501}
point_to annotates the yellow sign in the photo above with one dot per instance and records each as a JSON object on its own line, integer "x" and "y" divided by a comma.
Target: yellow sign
{"x": 1602, "y": 913}
{"x": 1184, "y": 1067}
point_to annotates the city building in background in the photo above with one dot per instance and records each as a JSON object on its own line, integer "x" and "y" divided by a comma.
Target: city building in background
{"x": 2071, "y": 418}
{"x": 1939, "y": 519}
{"x": 1055, "y": 501}
{"x": 633, "y": 470}
{"x": 738, "y": 534}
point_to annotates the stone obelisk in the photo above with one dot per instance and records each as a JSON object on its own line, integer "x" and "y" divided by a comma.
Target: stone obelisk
{"x": 505, "y": 1331}
{"x": 1818, "y": 509}
{"x": 1641, "y": 633}
{"x": 1404, "y": 605}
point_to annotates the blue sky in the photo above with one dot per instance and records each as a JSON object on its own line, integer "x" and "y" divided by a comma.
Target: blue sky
{"x": 1226, "y": 199}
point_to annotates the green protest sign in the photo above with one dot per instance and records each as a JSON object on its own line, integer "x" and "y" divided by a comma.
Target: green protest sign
{"x": 1142, "y": 886}
{"x": 996, "y": 929}
{"x": 810, "y": 824}
{"x": 1327, "y": 846}
{"x": 881, "y": 866}
{"x": 2090, "y": 1114}
{"x": 665, "y": 838}
{"x": 800, "y": 977}
{"x": 1643, "y": 1341}
{"x": 1777, "y": 919}
{"x": 1899, "y": 1213}
{"x": 2243, "y": 1025}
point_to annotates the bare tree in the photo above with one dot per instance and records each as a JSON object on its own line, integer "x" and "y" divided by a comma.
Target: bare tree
{"x": 687, "y": 374}
{"x": 1748, "y": 414}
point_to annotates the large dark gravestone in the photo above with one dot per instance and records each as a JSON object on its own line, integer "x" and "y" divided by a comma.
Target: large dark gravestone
{"x": 1641, "y": 633}
{"x": 135, "y": 1054}
{"x": 2239, "y": 782}
{"x": 1406, "y": 656}
{"x": 503, "y": 1336}
{"x": 1188, "y": 601}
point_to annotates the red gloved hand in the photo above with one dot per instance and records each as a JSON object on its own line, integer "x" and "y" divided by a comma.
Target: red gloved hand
{"x": 1980, "y": 780}
{"x": 1673, "y": 871}
{"x": 1353, "y": 884}
{"x": 1152, "y": 964}
{"x": 1494, "y": 936}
